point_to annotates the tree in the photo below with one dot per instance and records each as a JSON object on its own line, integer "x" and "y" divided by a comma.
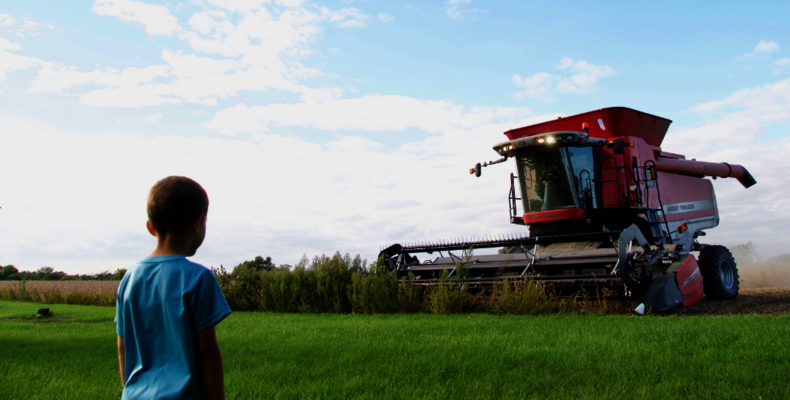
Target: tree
{"x": 103, "y": 276}
{"x": 44, "y": 273}
{"x": 118, "y": 274}
{"x": 9, "y": 271}
{"x": 259, "y": 264}
{"x": 745, "y": 253}
{"x": 256, "y": 265}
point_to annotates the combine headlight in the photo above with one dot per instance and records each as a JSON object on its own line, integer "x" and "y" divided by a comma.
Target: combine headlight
{"x": 540, "y": 140}
{"x": 550, "y": 139}
{"x": 569, "y": 137}
{"x": 560, "y": 138}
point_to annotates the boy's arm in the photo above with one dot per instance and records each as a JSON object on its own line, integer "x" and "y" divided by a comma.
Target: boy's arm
{"x": 121, "y": 360}
{"x": 209, "y": 363}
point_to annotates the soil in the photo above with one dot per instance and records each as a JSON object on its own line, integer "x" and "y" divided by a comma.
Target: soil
{"x": 749, "y": 301}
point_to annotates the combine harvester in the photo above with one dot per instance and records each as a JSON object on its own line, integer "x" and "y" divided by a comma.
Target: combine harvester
{"x": 592, "y": 185}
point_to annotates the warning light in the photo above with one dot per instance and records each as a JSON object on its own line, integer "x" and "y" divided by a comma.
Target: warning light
{"x": 682, "y": 227}
{"x": 541, "y": 140}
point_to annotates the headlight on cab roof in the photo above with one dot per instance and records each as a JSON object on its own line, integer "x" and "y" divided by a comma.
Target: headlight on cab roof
{"x": 563, "y": 138}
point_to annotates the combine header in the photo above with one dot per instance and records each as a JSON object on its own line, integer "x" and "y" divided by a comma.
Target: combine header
{"x": 606, "y": 207}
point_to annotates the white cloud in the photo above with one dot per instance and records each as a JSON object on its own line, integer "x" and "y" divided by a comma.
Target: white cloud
{"x": 6, "y": 20}
{"x": 770, "y": 102}
{"x": 734, "y": 133}
{"x": 28, "y": 27}
{"x": 457, "y": 9}
{"x": 10, "y": 62}
{"x": 538, "y": 85}
{"x": 31, "y": 27}
{"x": 346, "y": 17}
{"x": 55, "y": 77}
{"x": 247, "y": 6}
{"x": 252, "y": 46}
{"x": 578, "y": 77}
{"x": 384, "y": 17}
{"x": 185, "y": 78}
{"x": 257, "y": 191}
{"x": 154, "y": 117}
{"x": 763, "y": 51}
{"x": 156, "y": 19}
{"x": 211, "y": 21}
{"x": 781, "y": 65}
{"x": 370, "y": 113}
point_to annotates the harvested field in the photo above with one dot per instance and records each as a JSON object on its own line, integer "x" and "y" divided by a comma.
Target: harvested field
{"x": 749, "y": 301}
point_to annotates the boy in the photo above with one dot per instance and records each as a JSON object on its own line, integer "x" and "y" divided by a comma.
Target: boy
{"x": 167, "y": 306}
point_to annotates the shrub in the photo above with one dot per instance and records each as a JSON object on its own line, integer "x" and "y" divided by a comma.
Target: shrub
{"x": 449, "y": 296}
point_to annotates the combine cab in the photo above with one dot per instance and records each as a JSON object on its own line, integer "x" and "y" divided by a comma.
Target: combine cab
{"x": 605, "y": 207}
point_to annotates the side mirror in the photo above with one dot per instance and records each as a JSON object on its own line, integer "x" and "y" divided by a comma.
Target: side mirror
{"x": 618, "y": 146}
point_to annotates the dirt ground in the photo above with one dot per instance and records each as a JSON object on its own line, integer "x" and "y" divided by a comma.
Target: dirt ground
{"x": 757, "y": 301}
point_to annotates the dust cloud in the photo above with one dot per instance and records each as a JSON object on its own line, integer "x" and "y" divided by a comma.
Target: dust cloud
{"x": 764, "y": 275}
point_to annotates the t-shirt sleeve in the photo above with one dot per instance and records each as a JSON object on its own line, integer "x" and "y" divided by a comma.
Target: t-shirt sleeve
{"x": 119, "y": 310}
{"x": 209, "y": 305}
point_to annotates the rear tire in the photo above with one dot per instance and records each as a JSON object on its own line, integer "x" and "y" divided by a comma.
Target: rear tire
{"x": 719, "y": 273}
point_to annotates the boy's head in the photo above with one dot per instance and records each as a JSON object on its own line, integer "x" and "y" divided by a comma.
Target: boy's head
{"x": 177, "y": 205}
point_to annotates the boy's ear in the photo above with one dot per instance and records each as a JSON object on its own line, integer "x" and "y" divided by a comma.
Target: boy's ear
{"x": 198, "y": 222}
{"x": 150, "y": 228}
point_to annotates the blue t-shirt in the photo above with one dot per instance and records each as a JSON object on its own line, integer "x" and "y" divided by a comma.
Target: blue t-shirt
{"x": 163, "y": 302}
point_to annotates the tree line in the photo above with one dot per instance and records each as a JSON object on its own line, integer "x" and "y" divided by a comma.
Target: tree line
{"x": 11, "y": 273}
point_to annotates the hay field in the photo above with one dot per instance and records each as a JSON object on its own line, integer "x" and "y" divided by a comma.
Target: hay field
{"x": 101, "y": 293}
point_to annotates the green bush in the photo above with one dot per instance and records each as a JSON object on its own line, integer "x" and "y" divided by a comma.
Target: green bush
{"x": 449, "y": 296}
{"x": 524, "y": 297}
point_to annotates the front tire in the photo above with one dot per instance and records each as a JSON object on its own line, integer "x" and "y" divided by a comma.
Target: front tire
{"x": 719, "y": 273}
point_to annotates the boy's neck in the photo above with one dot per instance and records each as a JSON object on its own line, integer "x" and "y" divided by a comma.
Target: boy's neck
{"x": 184, "y": 242}
{"x": 169, "y": 245}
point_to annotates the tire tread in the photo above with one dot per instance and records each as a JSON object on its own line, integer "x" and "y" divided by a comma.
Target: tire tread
{"x": 709, "y": 260}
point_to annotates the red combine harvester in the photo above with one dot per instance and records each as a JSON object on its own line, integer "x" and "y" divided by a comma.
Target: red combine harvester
{"x": 592, "y": 185}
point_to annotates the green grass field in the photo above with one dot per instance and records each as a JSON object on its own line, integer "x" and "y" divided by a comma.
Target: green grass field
{"x": 72, "y": 355}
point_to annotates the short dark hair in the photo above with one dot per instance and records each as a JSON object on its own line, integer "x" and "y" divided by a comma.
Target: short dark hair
{"x": 174, "y": 202}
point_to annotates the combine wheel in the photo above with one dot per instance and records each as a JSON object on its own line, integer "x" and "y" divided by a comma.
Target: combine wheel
{"x": 719, "y": 273}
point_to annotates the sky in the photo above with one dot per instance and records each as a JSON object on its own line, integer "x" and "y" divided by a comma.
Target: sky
{"x": 318, "y": 127}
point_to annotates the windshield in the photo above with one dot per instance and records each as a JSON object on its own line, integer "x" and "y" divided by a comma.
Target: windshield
{"x": 553, "y": 178}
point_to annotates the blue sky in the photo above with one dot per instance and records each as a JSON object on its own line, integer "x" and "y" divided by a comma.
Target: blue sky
{"x": 343, "y": 125}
